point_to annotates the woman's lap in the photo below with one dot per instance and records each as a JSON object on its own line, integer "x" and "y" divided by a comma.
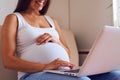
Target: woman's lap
{"x": 49, "y": 76}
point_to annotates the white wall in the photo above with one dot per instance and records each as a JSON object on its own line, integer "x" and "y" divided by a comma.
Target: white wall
{"x": 87, "y": 17}
{"x": 84, "y": 17}
{"x": 6, "y": 7}
{"x": 59, "y": 9}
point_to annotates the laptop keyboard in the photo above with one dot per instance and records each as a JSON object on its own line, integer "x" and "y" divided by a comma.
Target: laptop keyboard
{"x": 73, "y": 71}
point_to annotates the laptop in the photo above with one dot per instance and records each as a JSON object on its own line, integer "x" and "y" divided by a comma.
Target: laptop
{"x": 104, "y": 56}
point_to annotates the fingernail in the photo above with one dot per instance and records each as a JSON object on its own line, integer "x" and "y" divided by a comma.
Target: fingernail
{"x": 38, "y": 43}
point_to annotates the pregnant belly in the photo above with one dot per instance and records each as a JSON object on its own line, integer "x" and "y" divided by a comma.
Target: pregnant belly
{"x": 44, "y": 53}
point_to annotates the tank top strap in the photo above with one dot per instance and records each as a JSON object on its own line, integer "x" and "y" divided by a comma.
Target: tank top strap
{"x": 20, "y": 20}
{"x": 49, "y": 19}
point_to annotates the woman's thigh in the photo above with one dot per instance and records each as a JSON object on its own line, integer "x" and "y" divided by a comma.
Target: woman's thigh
{"x": 50, "y": 76}
{"x": 114, "y": 75}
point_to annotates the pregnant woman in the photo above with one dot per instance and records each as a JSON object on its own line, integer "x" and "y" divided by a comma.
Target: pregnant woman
{"x": 32, "y": 42}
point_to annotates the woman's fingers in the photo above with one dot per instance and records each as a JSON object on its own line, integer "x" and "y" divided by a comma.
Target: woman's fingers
{"x": 64, "y": 63}
{"x": 44, "y": 38}
{"x": 58, "y": 63}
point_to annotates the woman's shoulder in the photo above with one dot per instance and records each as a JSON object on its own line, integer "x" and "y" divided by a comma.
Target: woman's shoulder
{"x": 11, "y": 16}
{"x": 10, "y": 20}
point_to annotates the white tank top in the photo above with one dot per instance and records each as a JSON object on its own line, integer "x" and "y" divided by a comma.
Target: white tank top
{"x": 27, "y": 48}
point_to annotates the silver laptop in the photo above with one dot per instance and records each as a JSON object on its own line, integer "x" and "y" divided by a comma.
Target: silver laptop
{"x": 103, "y": 57}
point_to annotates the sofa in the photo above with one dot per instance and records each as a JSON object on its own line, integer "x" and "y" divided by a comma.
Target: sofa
{"x": 6, "y": 74}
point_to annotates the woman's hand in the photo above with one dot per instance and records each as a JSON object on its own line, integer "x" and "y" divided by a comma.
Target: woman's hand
{"x": 46, "y": 37}
{"x": 58, "y": 63}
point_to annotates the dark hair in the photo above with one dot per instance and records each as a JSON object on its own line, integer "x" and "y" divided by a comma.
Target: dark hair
{"x": 23, "y": 5}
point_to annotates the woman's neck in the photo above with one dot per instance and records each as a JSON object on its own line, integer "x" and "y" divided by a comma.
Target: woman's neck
{"x": 32, "y": 13}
